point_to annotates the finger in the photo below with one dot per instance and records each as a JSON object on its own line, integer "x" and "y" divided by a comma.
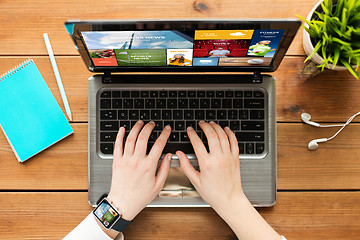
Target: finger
{"x": 163, "y": 172}
{"x": 223, "y": 138}
{"x": 234, "y": 146}
{"x": 189, "y": 170}
{"x": 198, "y": 145}
{"x": 160, "y": 143}
{"x": 118, "y": 149}
{"x": 131, "y": 139}
{"x": 143, "y": 138}
{"x": 211, "y": 135}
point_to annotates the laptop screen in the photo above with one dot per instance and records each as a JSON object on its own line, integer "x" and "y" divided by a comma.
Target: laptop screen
{"x": 200, "y": 47}
{"x": 183, "y": 49}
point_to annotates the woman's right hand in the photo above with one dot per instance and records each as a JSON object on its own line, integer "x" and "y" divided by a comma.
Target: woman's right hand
{"x": 218, "y": 181}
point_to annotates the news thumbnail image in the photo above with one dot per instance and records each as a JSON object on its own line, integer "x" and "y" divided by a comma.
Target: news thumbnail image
{"x": 265, "y": 43}
{"x": 179, "y": 57}
{"x": 103, "y": 57}
{"x": 141, "y": 57}
{"x": 217, "y": 44}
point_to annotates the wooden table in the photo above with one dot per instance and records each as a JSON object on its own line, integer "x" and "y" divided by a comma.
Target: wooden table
{"x": 46, "y": 197}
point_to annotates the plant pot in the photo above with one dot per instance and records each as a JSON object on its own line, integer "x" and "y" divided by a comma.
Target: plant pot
{"x": 308, "y": 45}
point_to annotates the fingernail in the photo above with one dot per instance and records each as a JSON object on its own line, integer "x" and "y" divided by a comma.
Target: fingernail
{"x": 201, "y": 121}
{"x": 140, "y": 122}
{"x": 169, "y": 157}
{"x": 212, "y": 122}
{"x": 190, "y": 128}
{"x": 227, "y": 128}
{"x": 167, "y": 127}
{"x": 152, "y": 122}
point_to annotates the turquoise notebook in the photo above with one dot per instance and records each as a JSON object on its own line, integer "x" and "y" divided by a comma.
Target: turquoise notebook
{"x": 30, "y": 117}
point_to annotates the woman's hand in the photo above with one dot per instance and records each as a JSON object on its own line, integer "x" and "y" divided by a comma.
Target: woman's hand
{"x": 218, "y": 181}
{"x": 134, "y": 184}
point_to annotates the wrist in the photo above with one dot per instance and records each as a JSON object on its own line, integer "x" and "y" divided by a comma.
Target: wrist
{"x": 234, "y": 203}
{"x": 124, "y": 210}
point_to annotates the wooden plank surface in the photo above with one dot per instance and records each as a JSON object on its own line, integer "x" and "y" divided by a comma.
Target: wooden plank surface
{"x": 21, "y": 34}
{"x": 297, "y": 215}
{"x": 62, "y": 169}
{"x": 332, "y": 96}
{"x": 335, "y": 165}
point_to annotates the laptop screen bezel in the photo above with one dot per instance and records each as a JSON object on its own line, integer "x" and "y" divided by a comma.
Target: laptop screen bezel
{"x": 75, "y": 27}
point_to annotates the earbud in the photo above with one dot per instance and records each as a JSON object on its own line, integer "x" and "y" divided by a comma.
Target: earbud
{"x": 306, "y": 119}
{"x": 313, "y": 145}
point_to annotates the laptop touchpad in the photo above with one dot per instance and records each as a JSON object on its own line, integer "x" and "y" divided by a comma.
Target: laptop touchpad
{"x": 177, "y": 180}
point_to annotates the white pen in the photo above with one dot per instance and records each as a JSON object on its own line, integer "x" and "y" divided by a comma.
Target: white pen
{"x": 57, "y": 75}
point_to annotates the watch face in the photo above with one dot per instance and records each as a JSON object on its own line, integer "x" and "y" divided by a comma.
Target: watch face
{"x": 106, "y": 214}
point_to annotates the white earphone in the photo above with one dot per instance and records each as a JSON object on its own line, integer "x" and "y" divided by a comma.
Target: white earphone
{"x": 313, "y": 145}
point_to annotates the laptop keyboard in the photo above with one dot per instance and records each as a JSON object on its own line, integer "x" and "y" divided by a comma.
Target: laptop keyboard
{"x": 241, "y": 110}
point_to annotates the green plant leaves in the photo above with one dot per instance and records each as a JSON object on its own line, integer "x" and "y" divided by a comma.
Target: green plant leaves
{"x": 316, "y": 49}
{"x": 351, "y": 70}
{"x": 337, "y": 32}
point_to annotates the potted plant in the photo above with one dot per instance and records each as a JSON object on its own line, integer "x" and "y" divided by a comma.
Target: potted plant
{"x": 331, "y": 35}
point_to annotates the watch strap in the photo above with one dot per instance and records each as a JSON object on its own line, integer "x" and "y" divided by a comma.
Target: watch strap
{"x": 120, "y": 225}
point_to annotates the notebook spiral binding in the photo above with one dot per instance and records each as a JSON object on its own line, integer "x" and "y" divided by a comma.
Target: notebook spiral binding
{"x": 15, "y": 69}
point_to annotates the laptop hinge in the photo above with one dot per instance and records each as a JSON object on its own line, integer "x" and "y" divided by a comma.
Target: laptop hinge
{"x": 257, "y": 77}
{"x": 107, "y": 77}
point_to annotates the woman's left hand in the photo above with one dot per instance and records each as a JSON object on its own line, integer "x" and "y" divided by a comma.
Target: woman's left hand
{"x": 134, "y": 183}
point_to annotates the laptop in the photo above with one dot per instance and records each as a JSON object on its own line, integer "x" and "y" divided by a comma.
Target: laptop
{"x": 178, "y": 72}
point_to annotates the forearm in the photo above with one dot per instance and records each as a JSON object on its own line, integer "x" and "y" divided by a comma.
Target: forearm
{"x": 245, "y": 221}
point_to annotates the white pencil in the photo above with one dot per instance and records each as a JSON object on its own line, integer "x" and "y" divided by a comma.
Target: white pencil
{"x": 57, "y": 75}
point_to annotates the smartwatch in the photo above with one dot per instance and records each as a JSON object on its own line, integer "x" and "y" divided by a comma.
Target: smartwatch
{"x": 109, "y": 216}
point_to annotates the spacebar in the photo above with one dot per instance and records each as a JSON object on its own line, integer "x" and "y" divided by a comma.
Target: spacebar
{"x": 173, "y": 147}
